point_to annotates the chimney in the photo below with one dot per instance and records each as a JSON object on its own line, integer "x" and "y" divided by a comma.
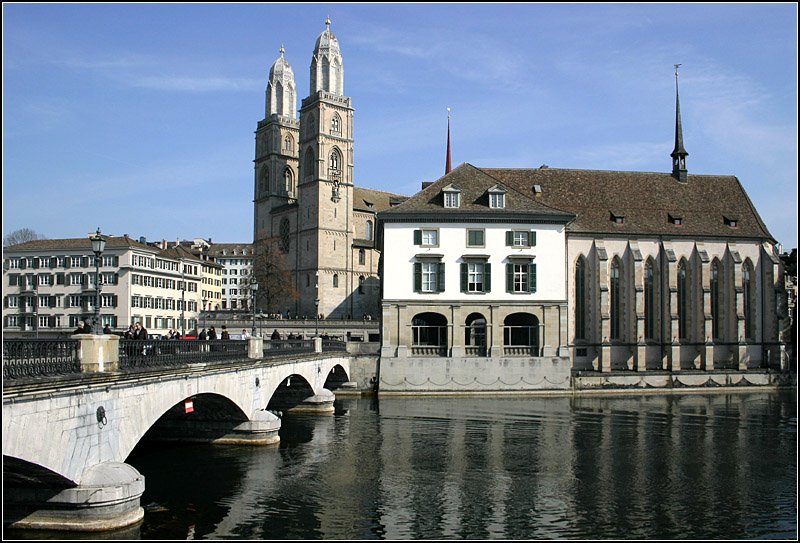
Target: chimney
{"x": 426, "y": 184}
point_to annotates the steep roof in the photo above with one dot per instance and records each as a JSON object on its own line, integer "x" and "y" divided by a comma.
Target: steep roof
{"x": 474, "y": 186}
{"x": 363, "y": 197}
{"x": 645, "y": 200}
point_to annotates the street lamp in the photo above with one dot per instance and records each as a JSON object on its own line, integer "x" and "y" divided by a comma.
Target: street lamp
{"x": 98, "y": 246}
{"x": 253, "y": 290}
{"x": 316, "y": 307}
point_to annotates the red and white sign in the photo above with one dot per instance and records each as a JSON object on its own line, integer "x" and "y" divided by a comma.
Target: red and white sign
{"x": 188, "y": 406}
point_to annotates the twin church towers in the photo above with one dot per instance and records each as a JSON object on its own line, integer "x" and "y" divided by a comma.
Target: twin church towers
{"x": 305, "y": 202}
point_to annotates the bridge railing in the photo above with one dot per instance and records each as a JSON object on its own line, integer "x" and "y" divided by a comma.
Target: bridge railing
{"x": 165, "y": 353}
{"x": 276, "y": 347}
{"x": 39, "y": 357}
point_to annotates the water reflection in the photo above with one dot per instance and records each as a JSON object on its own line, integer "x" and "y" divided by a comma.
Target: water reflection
{"x": 719, "y": 466}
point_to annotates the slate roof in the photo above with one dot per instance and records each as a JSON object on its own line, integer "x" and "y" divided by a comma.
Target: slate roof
{"x": 380, "y": 200}
{"x": 114, "y": 242}
{"x": 592, "y": 198}
{"x": 644, "y": 199}
{"x": 473, "y": 185}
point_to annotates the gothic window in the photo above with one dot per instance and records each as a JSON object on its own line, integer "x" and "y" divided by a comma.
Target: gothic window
{"x": 284, "y": 232}
{"x": 616, "y": 300}
{"x": 335, "y": 161}
{"x": 580, "y": 299}
{"x": 335, "y": 280}
{"x": 649, "y": 301}
{"x": 288, "y": 181}
{"x": 683, "y": 300}
{"x": 336, "y": 124}
{"x": 716, "y": 291}
{"x": 362, "y": 257}
{"x": 309, "y": 165}
{"x": 361, "y": 284}
{"x": 369, "y": 230}
{"x": 748, "y": 293}
{"x": 288, "y": 143}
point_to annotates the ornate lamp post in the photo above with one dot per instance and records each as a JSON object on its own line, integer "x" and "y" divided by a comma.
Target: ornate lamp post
{"x": 253, "y": 290}
{"x": 98, "y": 246}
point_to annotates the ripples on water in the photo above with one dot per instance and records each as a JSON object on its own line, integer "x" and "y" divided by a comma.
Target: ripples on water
{"x": 715, "y": 466}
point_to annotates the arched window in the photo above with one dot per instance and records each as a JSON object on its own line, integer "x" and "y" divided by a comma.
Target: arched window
{"x": 308, "y": 164}
{"x": 362, "y": 257}
{"x": 335, "y": 161}
{"x": 263, "y": 179}
{"x": 369, "y": 230}
{"x": 521, "y": 330}
{"x": 335, "y": 280}
{"x": 288, "y": 181}
{"x": 361, "y": 284}
{"x": 279, "y": 98}
{"x": 748, "y": 293}
{"x": 336, "y": 124}
{"x": 716, "y": 302}
{"x": 429, "y": 334}
{"x": 580, "y": 298}
{"x": 683, "y": 300}
{"x": 288, "y": 143}
{"x": 649, "y": 301}
{"x": 616, "y": 299}
{"x": 475, "y": 333}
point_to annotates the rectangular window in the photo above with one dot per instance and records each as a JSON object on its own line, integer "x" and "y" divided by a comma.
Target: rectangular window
{"x": 76, "y": 279}
{"x": 452, "y": 199}
{"x": 426, "y": 237}
{"x": 74, "y": 261}
{"x": 521, "y": 238}
{"x": 44, "y": 279}
{"x": 44, "y": 301}
{"x": 12, "y": 301}
{"x": 43, "y": 321}
{"x": 475, "y": 277}
{"x": 521, "y": 277}
{"x": 475, "y": 238}
{"x": 13, "y": 263}
{"x": 429, "y": 276}
{"x": 497, "y": 200}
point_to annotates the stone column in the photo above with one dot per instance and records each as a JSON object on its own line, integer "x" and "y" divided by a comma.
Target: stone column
{"x": 255, "y": 347}
{"x": 495, "y": 332}
{"x": 456, "y": 339}
{"x": 98, "y": 354}
{"x": 403, "y": 331}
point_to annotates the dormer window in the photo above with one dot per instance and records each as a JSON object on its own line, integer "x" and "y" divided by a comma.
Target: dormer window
{"x": 452, "y": 196}
{"x": 677, "y": 220}
{"x": 497, "y": 197}
{"x": 731, "y": 221}
{"x": 616, "y": 218}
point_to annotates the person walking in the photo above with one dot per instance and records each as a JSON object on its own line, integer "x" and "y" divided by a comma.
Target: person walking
{"x": 225, "y": 335}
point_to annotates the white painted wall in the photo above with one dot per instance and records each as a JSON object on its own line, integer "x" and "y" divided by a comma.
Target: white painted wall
{"x": 399, "y": 254}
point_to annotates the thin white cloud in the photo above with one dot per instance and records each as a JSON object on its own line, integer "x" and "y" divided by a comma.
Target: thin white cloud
{"x": 194, "y": 84}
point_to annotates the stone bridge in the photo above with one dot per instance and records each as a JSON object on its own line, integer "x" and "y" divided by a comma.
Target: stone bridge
{"x": 65, "y": 444}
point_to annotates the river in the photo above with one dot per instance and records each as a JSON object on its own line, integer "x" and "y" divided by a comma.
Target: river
{"x": 683, "y": 466}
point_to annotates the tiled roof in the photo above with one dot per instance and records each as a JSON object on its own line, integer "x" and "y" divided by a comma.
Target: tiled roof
{"x": 217, "y": 249}
{"x": 78, "y": 244}
{"x": 644, "y": 199}
{"x": 474, "y": 186}
{"x": 362, "y": 198}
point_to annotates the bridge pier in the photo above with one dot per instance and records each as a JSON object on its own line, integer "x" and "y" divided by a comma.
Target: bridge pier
{"x": 321, "y": 403}
{"x": 106, "y": 499}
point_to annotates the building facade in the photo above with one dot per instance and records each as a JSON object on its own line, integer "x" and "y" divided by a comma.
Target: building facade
{"x": 49, "y": 287}
{"x": 305, "y": 198}
{"x": 626, "y": 271}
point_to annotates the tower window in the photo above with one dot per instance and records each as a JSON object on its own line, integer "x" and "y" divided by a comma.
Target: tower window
{"x": 336, "y": 125}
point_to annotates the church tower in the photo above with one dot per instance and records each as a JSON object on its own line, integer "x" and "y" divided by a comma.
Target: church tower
{"x": 277, "y": 144}
{"x": 325, "y": 188}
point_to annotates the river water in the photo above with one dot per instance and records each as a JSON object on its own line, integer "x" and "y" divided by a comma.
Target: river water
{"x": 690, "y": 466}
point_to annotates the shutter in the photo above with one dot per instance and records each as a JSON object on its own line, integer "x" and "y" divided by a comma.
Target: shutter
{"x": 487, "y": 277}
{"x": 417, "y": 276}
{"x": 531, "y": 277}
{"x": 67, "y": 261}
{"x": 417, "y": 237}
{"x": 114, "y": 298}
{"x": 60, "y": 278}
{"x": 116, "y": 261}
{"x": 509, "y": 277}
{"x": 464, "y": 277}
{"x": 532, "y": 238}
{"x": 5, "y": 301}
{"x": 116, "y": 279}
{"x": 509, "y": 238}
{"x": 51, "y": 322}
{"x": 52, "y": 301}
{"x": 440, "y": 277}
{"x": 36, "y": 263}
{"x": 23, "y": 263}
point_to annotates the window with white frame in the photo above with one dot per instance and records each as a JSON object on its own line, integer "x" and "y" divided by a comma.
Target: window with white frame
{"x": 76, "y": 279}
{"x": 44, "y": 301}
{"x": 497, "y": 200}
{"x": 45, "y": 279}
{"x": 475, "y": 276}
{"x": 12, "y": 301}
{"x": 430, "y": 272}
{"x": 452, "y": 198}
{"x": 521, "y": 276}
{"x": 43, "y": 321}
{"x": 426, "y": 237}
{"x": 74, "y": 261}
{"x": 12, "y": 321}
{"x": 13, "y": 263}
{"x": 520, "y": 238}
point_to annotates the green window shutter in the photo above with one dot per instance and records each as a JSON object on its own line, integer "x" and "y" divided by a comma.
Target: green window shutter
{"x": 532, "y": 238}
{"x": 116, "y": 261}
{"x": 60, "y": 279}
{"x": 464, "y": 277}
{"x": 417, "y": 237}
{"x": 487, "y": 277}
{"x": 115, "y": 301}
{"x": 532, "y": 277}
{"x": 509, "y": 277}
{"x": 440, "y": 277}
{"x": 417, "y": 276}
{"x": 509, "y": 238}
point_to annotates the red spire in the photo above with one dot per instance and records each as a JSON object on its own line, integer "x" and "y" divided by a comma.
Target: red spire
{"x": 447, "y": 166}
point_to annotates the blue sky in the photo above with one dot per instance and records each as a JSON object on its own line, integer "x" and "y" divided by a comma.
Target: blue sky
{"x": 140, "y": 118}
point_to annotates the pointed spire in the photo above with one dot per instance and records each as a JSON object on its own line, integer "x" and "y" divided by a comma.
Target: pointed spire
{"x": 679, "y": 154}
{"x": 447, "y": 165}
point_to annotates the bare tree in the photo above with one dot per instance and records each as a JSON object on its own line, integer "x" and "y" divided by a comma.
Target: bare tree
{"x": 275, "y": 283}
{"x": 21, "y": 236}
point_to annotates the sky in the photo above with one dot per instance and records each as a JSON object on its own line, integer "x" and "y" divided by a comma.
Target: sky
{"x": 139, "y": 119}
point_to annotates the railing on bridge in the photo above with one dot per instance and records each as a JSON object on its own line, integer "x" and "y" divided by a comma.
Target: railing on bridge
{"x": 165, "y": 353}
{"x": 47, "y": 357}
{"x": 39, "y": 357}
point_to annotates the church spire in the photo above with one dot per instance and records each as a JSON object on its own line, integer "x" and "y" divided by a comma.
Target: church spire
{"x": 447, "y": 165}
{"x": 679, "y": 154}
